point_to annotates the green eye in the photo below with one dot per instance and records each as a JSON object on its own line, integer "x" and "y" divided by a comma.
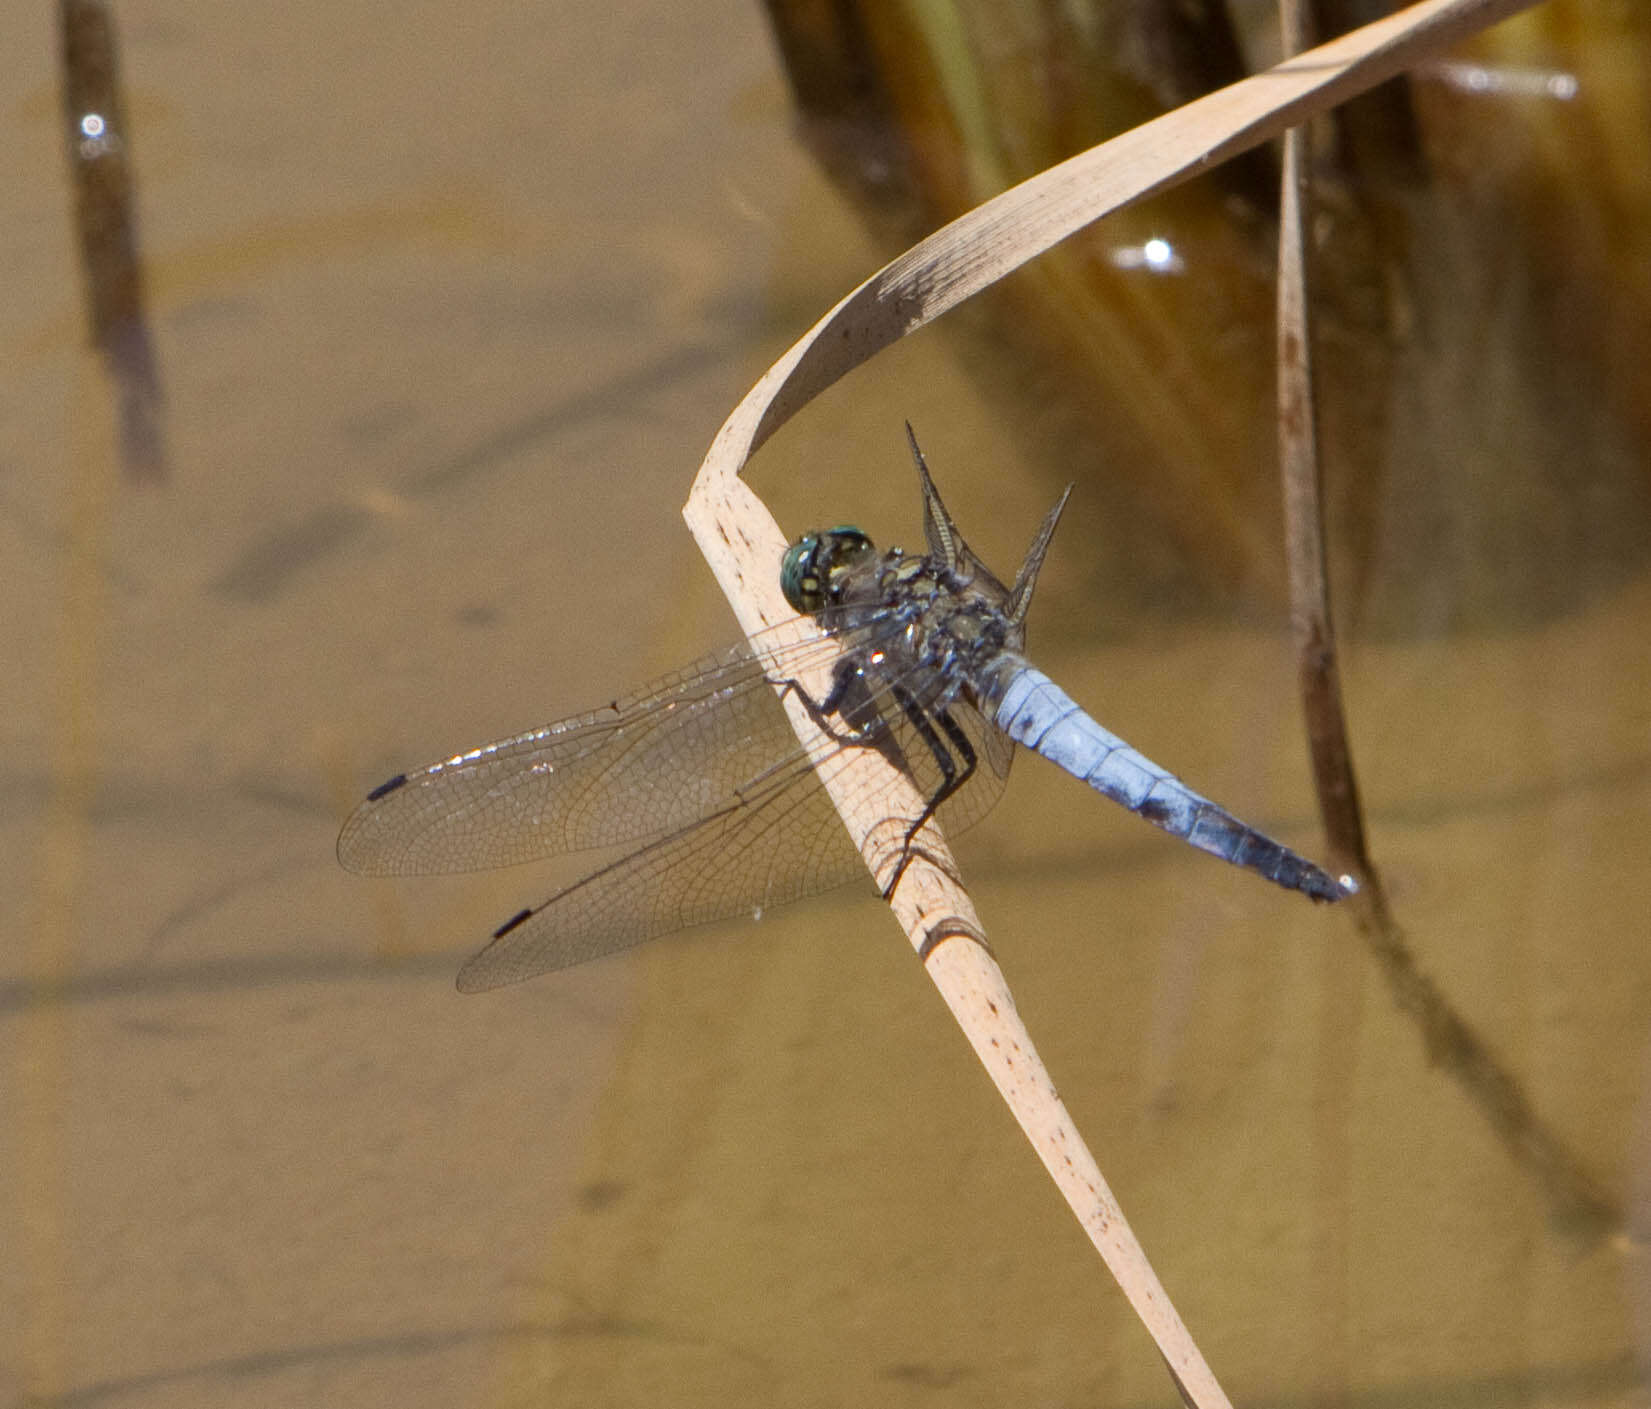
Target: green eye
{"x": 810, "y": 565}
{"x": 798, "y": 579}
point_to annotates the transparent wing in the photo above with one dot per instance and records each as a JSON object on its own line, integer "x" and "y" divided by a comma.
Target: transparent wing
{"x": 704, "y": 768}
{"x": 776, "y": 840}
{"x": 772, "y": 848}
{"x": 649, "y": 764}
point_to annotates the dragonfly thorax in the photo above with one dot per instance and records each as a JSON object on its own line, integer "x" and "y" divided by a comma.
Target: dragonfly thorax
{"x": 952, "y": 626}
{"x": 941, "y": 631}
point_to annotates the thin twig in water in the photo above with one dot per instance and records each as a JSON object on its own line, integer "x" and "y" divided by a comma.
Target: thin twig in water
{"x": 1577, "y": 1199}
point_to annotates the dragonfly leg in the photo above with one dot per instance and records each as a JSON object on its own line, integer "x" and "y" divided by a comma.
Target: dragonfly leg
{"x": 862, "y": 723}
{"x": 851, "y": 703}
{"x": 951, "y": 777}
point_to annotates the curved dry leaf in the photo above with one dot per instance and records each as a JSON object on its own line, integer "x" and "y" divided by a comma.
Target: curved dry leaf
{"x": 743, "y": 544}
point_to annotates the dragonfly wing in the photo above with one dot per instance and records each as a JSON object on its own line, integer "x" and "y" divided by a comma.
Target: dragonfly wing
{"x": 994, "y": 752}
{"x": 778, "y": 843}
{"x": 648, "y": 765}
{"x": 778, "y": 839}
{"x": 704, "y": 767}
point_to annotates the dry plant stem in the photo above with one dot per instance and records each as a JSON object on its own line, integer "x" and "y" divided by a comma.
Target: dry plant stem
{"x": 1576, "y": 1198}
{"x": 1315, "y": 641}
{"x": 937, "y": 914}
{"x": 1306, "y": 568}
{"x": 100, "y": 163}
{"x": 743, "y": 544}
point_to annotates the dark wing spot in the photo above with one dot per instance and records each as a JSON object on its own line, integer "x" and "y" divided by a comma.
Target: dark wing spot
{"x": 511, "y": 924}
{"x": 387, "y": 787}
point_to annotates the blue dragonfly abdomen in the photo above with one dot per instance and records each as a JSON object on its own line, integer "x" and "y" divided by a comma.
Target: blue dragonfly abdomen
{"x": 1033, "y": 710}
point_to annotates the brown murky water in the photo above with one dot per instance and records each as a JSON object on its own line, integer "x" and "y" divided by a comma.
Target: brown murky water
{"x": 446, "y": 313}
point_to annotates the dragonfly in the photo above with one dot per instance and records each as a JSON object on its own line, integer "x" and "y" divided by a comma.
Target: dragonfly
{"x": 725, "y": 811}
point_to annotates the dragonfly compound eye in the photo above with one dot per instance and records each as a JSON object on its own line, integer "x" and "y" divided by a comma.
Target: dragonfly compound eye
{"x": 799, "y": 579}
{"x": 809, "y": 565}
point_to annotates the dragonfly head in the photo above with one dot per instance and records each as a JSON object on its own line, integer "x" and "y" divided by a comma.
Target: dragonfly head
{"x": 812, "y": 565}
